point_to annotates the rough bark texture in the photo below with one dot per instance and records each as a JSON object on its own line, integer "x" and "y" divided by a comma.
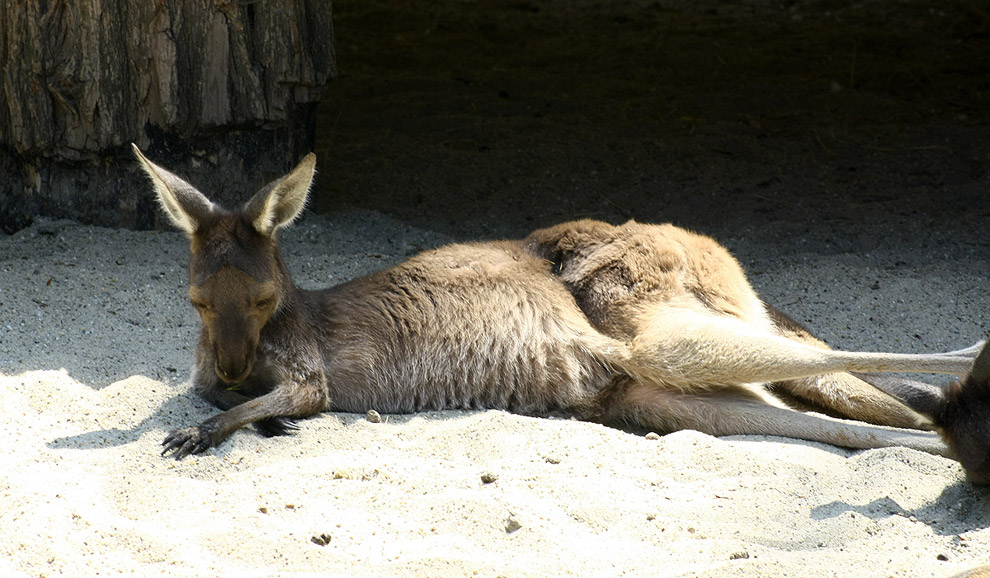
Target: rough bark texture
{"x": 197, "y": 83}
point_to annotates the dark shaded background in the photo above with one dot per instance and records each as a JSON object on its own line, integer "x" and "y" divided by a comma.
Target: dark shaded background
{"x": 482, "y": 118}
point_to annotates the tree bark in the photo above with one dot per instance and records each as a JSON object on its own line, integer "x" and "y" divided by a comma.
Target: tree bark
{"x": 213, "y": 88}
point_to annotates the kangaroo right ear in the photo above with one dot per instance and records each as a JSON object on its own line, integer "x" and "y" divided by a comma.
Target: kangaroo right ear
{"x": 185, "y": 206}
{"x": 281, "y": 201}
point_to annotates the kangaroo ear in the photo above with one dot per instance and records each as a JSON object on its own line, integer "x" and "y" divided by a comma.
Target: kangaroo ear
{"x": 980, "y": 373}
{"x": 184, "y": 205}
{"x": 281, "y": 201}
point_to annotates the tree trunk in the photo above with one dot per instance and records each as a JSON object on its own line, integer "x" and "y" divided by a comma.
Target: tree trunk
{"x": 223, "y": 91}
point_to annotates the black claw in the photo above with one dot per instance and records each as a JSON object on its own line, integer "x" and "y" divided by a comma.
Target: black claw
{"x": 277, "y": 426}
{"x": 183, "y": 442}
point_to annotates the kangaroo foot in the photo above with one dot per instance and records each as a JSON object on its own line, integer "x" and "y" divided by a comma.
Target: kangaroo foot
{"x": 276, "y": 426}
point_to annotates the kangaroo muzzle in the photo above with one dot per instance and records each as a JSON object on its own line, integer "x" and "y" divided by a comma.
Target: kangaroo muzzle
{"x": 234, "y": 345}
{"x": 233, "y": 367}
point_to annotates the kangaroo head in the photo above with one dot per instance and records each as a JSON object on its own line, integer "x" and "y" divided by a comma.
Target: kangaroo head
{"x": 964, "y": 419}
{"x": 237, "y": 280}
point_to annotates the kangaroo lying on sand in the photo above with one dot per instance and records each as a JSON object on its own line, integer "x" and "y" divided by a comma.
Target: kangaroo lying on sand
{"x": 649, "y": 327}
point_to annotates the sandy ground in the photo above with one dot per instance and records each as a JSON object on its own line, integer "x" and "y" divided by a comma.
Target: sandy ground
{"x": 838, "y": 149}
{"x": 95, "y": 344}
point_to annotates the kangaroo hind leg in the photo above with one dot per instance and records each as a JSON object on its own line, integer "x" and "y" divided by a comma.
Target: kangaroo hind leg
{"x": 645, "y": 406}
{"x": 842, "y": 394}
{"x": 688, "y": 348}
{"x": 848, "y": 396}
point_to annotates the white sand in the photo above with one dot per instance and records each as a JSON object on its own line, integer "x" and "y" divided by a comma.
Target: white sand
{"x": 96, "y": 338}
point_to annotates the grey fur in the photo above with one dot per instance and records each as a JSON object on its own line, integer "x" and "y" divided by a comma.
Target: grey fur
{"x": 650, "y": 327}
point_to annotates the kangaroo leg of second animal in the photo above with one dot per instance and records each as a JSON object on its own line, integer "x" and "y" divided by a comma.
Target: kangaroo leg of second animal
{"x": 850, "y": 396}
{"x": 687, "y": 348}
{"x": 285, "y": 400}
{"x": 847, "y": 395}
{"x": 723, "y": 413}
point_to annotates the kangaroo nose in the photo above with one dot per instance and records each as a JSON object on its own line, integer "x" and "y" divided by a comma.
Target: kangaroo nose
{"x": 231, "y": 376}
{"x": 231, "y": 371}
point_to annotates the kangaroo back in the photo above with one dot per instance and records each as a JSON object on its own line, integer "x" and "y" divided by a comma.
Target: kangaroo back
{"x": 621, "y": 274}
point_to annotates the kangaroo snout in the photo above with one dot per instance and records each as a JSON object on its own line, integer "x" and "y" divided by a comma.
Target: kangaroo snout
{"x": 234, "y": 338}
{"x": 233, "y": 367}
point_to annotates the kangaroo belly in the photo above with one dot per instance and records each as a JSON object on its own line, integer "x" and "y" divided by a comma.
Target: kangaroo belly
{"x": 465, "y": 326}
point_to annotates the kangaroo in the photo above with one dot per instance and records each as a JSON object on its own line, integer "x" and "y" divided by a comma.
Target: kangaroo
{"x": 637, "y": 326}
{"x": 959, "y": 412}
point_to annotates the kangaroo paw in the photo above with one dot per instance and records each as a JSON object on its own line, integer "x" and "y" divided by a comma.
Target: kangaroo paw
{"x": 190, "y": 440}
{"x": 276, "y": 426}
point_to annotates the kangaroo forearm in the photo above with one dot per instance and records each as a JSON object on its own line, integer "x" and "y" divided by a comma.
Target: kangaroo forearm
{"x": 224, "y": 398}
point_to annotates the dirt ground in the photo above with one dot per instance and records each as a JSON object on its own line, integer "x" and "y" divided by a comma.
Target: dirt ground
{"x": 840, "y": 150}
{"x": 482, "y": 118}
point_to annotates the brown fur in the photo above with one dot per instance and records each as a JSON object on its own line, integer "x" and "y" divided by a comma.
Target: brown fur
{"x": 644, "y": 326}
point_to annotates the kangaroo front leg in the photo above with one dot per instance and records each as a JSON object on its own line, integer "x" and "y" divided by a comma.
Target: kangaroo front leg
{"x": 649, "y": 406}
{"x": 691, "y": 349}
{"x": 226, "y": 399}
{"x": 294, "y": 400}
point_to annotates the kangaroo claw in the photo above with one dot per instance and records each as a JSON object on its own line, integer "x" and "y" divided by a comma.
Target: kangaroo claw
{"x": 276, "y": 426}
{"x": 191, "y": 440}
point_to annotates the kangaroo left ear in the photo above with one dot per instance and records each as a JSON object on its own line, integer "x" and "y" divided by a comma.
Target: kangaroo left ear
{"x": 185, "y": 206}
{"x": 280, "y": 202}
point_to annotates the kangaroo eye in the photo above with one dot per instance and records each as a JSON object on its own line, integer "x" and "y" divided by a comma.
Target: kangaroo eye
{"x": 263, "y": 303}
